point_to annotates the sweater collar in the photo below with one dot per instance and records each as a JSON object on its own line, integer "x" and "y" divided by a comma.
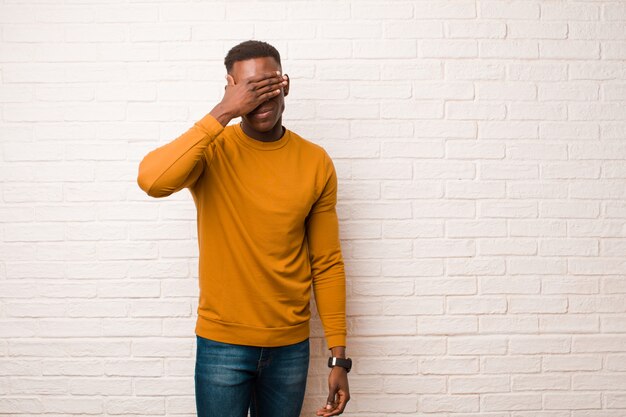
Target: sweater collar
{"x": 259, "y": 144}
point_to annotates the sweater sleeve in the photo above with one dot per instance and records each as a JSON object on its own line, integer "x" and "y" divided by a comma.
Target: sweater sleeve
{"x": 327, "y": 265}
{"x": 179, "y": 163}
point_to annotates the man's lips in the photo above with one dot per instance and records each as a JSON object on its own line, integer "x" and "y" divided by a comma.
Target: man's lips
{"x": 261, "y": 112}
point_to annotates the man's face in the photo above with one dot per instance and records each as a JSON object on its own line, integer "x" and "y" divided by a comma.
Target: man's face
{"x": 258, "y": 119}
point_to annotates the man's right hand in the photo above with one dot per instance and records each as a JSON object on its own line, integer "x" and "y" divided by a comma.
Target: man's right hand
{"x": 245, "y": 96}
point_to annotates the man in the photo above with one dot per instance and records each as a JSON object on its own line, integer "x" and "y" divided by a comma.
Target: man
{"x": 267, "y": 233}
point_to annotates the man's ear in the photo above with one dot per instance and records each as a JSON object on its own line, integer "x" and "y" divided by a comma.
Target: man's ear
{"x": 286, "y": 88}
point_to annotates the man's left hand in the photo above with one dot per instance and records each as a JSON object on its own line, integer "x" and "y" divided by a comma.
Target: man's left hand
{"x": 338, "y": 393}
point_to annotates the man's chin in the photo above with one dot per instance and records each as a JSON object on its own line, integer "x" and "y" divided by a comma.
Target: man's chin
{"x": 261, "y": 126}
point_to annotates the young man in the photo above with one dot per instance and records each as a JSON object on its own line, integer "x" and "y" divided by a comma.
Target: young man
{"x": 267, "y": 233}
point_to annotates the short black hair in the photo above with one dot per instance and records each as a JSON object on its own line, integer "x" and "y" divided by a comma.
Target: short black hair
{"x": 248, "y": 50}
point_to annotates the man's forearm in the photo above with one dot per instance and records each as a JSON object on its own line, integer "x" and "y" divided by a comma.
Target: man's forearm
{"x": 222, "y": 114}
{"x": 177, "y": 164}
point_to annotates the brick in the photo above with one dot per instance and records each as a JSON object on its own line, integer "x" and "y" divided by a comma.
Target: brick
{"x": 381, "y": 10}
{"x": 473, "y": 150}
{"x": 379, "y": 326}
{"x": 380, "y": 90}
{"x": 338, "y": 110}
{"x": 505, "y": 90}
{"x": 597, "y": 30}
{"x": 412, "y": 150}
{"x": 344, "y": 30}
{"x": 385, "y": 49}
{"x": 537, "y": 72}
{"x": 254, "y": 12}
{"x": 508, "y": 324}
{"x": 320, "y": 49}
{"x": 500, "y": 402}
{"x": 478, "y": 384}
{"x": 537, "y": 30}
{"x": 134, "y": 13}
{"x": 569, "y": 49}
{"x": 508, "y": 49}
{"x": 572, "y": 401}
{"x": 448, "y": 49}
{"x": 414, "y": 268}
{"x": 412, "y": 29}
{"x": 349, "y": 71}
{"x": 474, "y": 70}
{"x": 476, "y": 30}
{"x": 534, "y": 111}
{"x": 509, "y": 10}
{"x": 413, "y": 384}
{"x": 198, "y": 12}
{"x": 452, "y": 9}
{"x": 411, "y": 110}
{"x": 614, "y": 11}
{"x": 540, "y": 382}
{"x": 105, "y": 32}
{"x": 570, "y": 11}
{"x": 448, "y": 90}
{"x": 410, "y": 228}
{"x": 449, "y": 403}
{"x": 422, "y": 70}
{"x": 477, "y": 345}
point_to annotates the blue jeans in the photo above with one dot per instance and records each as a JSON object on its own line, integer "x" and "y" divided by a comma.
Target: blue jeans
{"x": 269, "y": 381}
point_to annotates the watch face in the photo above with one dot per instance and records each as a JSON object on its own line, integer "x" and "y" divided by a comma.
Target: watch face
{"x": 344, "y": 363}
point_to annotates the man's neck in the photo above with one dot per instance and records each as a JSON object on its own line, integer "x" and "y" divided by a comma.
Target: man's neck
{"x": 271, "y": 135}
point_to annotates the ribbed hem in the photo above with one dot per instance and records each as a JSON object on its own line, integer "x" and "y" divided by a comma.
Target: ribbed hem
{"x": 240, "y": 334}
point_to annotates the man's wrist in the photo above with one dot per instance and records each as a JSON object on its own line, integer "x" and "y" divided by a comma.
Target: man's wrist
{"x": 338, "y": 351}
{"x": 221, "y": 114}
{"x": 335, "y": 362}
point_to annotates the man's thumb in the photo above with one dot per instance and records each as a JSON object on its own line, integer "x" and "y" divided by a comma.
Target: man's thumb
{"x": 330, "y": 401}
{"x": 230, "y": 80}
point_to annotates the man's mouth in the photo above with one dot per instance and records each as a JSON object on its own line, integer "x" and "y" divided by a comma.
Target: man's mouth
{"x": 261, "y": 112}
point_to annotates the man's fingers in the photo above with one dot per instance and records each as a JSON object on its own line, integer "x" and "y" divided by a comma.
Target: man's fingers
{"x": 330, "y": 402}
{"x": 332, "y": 412}
{"x": 324, "y": 411}
{"x": 268, "y": 95}
{"x": 336, "y": 410}
{"x": 269, "y": 88}
{"x": 342, "y": 405}
{"x": 268, "y": 82}
{"x": 336, "y": 407}
{"x": 258, "y": 77}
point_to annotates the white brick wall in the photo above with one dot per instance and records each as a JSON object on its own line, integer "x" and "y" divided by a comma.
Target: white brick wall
{"x": 481, "y": 149}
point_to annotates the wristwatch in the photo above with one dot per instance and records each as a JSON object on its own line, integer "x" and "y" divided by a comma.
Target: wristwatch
{"x": 343, "y": 362}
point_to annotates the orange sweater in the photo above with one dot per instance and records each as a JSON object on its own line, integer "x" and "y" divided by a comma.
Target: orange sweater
{"x": 267, "y": 231}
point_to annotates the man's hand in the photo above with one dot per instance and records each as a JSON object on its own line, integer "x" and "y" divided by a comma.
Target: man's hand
{"x": 248, "y": 94}
{"x": 338, "y": 393}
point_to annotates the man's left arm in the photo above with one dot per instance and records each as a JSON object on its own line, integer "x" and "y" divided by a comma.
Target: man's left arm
{"x": 329, "y": 285}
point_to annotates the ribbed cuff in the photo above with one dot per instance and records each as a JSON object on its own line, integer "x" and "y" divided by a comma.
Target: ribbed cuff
{"x": 337, "y": 340}
{"x": 209, "y": 124}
